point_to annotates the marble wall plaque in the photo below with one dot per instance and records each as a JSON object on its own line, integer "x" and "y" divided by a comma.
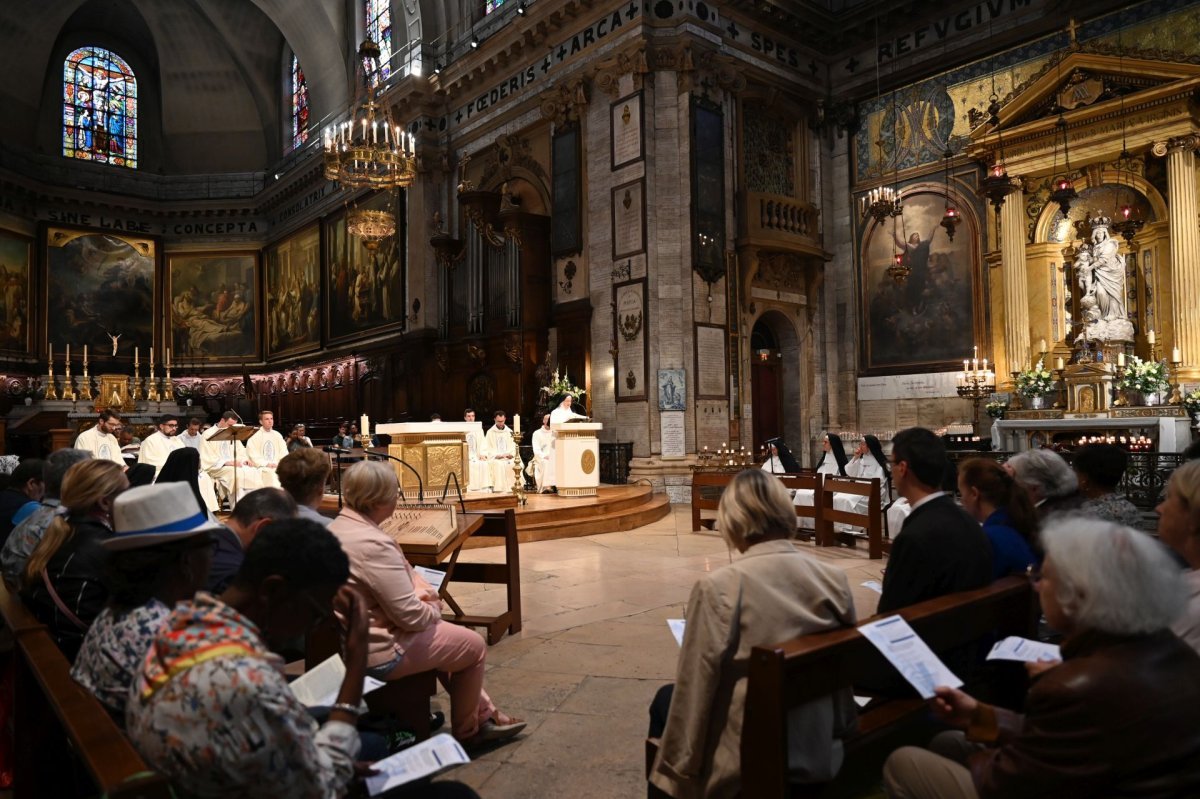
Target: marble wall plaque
{"x": 628, "y": 219}
{"x": 626, "y": 127}
{"x": 910, "y": 386}
{"x": 629, "y": 335}
{"x": 711, "y": 373}
{"x": 674, "y": 443}
{"x": 906, "y": 414}
{"x": 876, "y": 415}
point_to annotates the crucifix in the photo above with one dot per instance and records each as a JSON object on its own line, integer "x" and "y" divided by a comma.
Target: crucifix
{"x": 114, "y": 341}
{"x": 1072, "y": 26}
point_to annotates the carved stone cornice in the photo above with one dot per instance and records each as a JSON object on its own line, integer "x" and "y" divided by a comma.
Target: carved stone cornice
{"x": 562, "y": 103}
{"x": 1176, "y": 144}
{"x": 609, "y": 73}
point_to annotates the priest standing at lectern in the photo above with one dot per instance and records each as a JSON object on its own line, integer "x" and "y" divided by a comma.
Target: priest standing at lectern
{"x": 504, "y": 453}
{"x": 218, "y": 459}
{"x": 480, "y": 477}
{"x": 265, "y": 449}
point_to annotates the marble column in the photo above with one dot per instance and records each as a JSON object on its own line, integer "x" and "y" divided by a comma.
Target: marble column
{"x": 1185, "y": 251}
{"x": 1016, "y": 281}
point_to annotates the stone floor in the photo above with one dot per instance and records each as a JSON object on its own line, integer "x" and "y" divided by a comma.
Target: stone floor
{"x": 594, "y": 649}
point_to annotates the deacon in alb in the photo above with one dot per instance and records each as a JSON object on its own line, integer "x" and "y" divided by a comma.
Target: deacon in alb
{"x": 161, "y": 443}
{"x": 101, "y": 440}
{"x": 265, "y": 449}
{"x": 541, "y": 468}
{"x": 218, "y": 459}
{"x": 504, "y": 452}
{"x": 479, "y": 479}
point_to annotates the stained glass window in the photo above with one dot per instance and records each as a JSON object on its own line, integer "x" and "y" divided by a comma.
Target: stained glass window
{"x": 99, "y": 108}
{"x": 379, "y": 30}
{"x": 299, "y": 104}
{"x": 491, "y": 5}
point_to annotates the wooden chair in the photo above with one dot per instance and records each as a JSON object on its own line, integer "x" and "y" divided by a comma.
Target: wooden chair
{"x": 58, "y": 725}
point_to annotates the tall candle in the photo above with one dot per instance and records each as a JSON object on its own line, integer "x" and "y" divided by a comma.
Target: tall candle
{"x": 1059, "y": 364}
{"x": 168, "y": 359}
{"x": 151, "y": 357}
{"x": 365, "y": 424}
{"x": 68, "y": 358}
{"x": 85, "y": 354}
{"x": 50, "y": 354}
{"x": 135, "y": 356}
{"x": 1042, "y": 345}
{"x": 1175, "y": 355}
{"x": 516, "y": 423}
{"x": 1121, "y": 359}
{"x": 1150, "y": 338}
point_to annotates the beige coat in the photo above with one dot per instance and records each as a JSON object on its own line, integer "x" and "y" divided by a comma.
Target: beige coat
{"x": 399, "y": 601}
{"x": 773, "y": 593}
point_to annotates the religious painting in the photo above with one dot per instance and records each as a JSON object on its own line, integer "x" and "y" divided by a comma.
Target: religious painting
{"x": 292, "y": 291}
{"x": 16, "y": 261}
{"x": 672, "y": 390}
{"x": 212, "y": 307}
{"x": 630, "y": 340}
{"x": 927, "y": 321}
{"x": 364, "y": 290}
{"x": 100, "y": 291}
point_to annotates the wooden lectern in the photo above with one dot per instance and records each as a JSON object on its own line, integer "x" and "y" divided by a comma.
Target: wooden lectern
{"x": 577, "y": 458}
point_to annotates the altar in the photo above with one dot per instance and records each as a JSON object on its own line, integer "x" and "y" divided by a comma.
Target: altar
{"x": 1167, "y": 427}
{"x": 577, "y": 458}
{"x": 434, "y": 449}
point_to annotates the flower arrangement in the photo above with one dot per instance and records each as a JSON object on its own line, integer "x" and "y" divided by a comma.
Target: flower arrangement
{"x": 1145, "y": 376}
{"x": 1191, "y": 401}
{"x": 558, "y": 388}
{"x": 1035, "y": 382}
{"x": 996, "y": 409}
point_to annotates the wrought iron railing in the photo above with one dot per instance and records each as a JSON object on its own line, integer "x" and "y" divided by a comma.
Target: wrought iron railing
{"x": 614, "y": 462}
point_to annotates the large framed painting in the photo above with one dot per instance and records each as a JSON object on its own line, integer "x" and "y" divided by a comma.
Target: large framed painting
{"x": 100, "y": 291}
{"x": 16, "y": 291}
{"x": 929, "y": 321}
{"x": 364, "y": 287}
{"x": 292, "y": 293}
{"x": 212, "y": 306}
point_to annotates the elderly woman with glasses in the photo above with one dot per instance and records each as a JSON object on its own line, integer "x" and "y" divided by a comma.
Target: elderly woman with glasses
{"x": 1119, "y": 716}
{"x": 407, "y": 634}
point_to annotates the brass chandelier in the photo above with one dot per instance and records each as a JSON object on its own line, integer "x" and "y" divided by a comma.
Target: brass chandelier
{"x": 369, "y": 152}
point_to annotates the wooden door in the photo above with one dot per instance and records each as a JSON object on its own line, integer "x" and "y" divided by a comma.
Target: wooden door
{"x": 766, "y": 400}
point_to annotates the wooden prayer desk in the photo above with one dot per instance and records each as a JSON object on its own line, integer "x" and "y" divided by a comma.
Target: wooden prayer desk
{"x": 508, "y": 573}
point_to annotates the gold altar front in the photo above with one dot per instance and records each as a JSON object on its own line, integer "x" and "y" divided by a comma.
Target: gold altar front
{"x": 435, "y": 450}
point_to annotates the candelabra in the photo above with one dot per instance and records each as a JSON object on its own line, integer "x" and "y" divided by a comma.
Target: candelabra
{"x": 168, "y": 386}
{"x": 725, "y": 457}
{"x": 1176, "y": 397}
{"x": 51, "y": 392}
{"x": 68, "y": 391}
{"x": 518, "y": 488}
{"x": 85, "y": 382}
{"x": 975, "y": 383}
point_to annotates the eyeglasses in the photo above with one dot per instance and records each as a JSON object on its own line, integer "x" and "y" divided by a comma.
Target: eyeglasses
{"x": 1034, "y": 573}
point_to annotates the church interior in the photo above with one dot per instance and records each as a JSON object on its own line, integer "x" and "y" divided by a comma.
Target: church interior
{"x": 599, "y": 281}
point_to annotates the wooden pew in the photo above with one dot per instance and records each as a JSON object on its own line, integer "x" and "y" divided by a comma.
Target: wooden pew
{"x": 810, "y": 480}
{"x": 798, "y": 671}
{"x": 58, "y": 724}
{"x": 706, "y": 495}
{"x": 872, "y": 521}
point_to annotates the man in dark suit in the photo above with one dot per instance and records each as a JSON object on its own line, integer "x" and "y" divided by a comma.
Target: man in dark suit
{"x": 940, "y": 549}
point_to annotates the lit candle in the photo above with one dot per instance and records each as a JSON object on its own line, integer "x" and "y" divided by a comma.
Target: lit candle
{"x": 151, "y": 357}
{"x": 1176, "y": 356}
{"x": 1150, "y": 338}
{"x": 1121, "y": 359}
{"x": 966, "y": 366}
{"x": 365, "y": 425}
{"x": 516, "y": 423}
{"x": 1059, "y": 364}
{"x": 1042, "y": 345}
{"x": 985, "y": 366}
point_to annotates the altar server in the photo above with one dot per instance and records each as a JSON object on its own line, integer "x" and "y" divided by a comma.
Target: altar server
{"x": 868, "y": 463}
{"x": 504, "y": 451}
{"x": 266, "y": 449}
{"x": 541, "y": 468}
{"x": 192, "y": 436}
{"x": 101, "y": 440}
{"x": 833, "y": 462}
{"x": 161, "y": 443}
{"x": 218, "y": 459}
{"x": 480, "y": 477}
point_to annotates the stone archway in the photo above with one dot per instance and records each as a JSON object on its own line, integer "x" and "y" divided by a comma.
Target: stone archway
{"x": 775, "y": 380}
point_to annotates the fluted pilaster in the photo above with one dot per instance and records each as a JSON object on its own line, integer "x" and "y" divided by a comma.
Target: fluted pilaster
{"x": 1185, "y": 249}
{"x": 1016, "y": 281}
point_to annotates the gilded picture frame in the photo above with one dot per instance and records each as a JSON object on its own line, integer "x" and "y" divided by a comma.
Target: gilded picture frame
{"x": 292, "y": 294}
{"x": 17, "y": 288}
{"x": 212, "y": 307}
{"x": 364, "y": 288}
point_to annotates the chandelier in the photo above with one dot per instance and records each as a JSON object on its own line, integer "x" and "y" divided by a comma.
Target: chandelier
{"x": 367, "y": 151}
{"x": 371, "y": 226}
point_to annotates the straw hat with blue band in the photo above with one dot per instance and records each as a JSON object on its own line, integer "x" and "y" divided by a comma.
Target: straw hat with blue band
{"x": 161, "y": 513}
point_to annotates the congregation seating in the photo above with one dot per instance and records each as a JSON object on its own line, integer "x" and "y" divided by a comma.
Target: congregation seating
{"x": 706, "y": 496}
{"x": 67, "y": 744}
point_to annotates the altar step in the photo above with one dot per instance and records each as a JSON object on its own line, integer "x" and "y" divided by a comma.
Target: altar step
{"x": 614, "y": 509}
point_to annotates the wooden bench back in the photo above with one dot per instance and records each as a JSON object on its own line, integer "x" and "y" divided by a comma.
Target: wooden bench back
{"x": 798, "y": 671}
{"x": 706, "y": 493}
{"x": 56, "y": 720}
{"x": 871, "y": 521}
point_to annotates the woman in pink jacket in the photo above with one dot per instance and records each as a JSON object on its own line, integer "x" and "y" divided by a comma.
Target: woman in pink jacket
{"x": 407, "y": 634}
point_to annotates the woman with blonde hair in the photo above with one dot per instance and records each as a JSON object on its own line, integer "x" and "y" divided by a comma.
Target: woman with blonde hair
{"x": 1179, "y": 528}
{"x": 774, "y": 592}
{"x": 62, "y": 583}
{"x": 407, "y": 634}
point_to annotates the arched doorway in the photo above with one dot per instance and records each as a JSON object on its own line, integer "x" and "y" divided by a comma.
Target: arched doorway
{"x": 775, "y": 380}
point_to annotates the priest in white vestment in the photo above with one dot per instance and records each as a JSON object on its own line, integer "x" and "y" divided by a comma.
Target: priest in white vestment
{"x": 868, "y": 463}
{"x": 833, "y": 463}
{"x": 504, "y": 453}
{"x": 191, "y": 437}
{"x": 266, "y": 448}
{"x": 480, "y": 476}
{"x": 101, "y": 440}
{"x": 161, "y": 443}
{"x": 218, "y": 459}
{"x": 541, "y": 467}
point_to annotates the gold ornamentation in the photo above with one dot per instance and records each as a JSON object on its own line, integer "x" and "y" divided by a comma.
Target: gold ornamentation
{"x": 587, "y": 461}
